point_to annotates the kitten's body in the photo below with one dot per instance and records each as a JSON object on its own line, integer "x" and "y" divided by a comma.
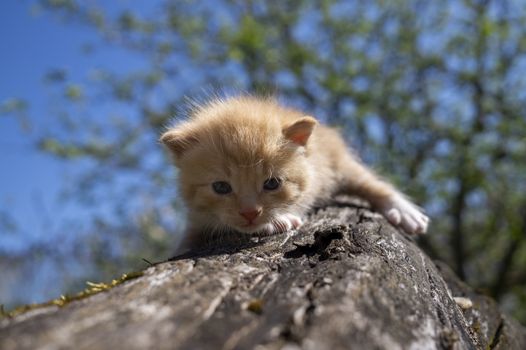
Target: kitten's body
{"x": 252, "y": 144}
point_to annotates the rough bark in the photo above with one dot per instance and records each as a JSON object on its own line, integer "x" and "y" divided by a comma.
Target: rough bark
{"x": 347, "y": 279}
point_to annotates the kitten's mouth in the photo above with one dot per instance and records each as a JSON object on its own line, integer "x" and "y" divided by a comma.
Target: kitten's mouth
{"x": 251, "y": 228}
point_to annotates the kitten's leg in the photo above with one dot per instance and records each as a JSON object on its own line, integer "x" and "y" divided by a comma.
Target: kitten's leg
{"x": 393, "y": 205}
{"x": 283, "y": 223}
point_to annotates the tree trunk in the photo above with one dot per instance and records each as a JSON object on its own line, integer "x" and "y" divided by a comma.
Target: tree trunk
{"x": 347, "y": 279}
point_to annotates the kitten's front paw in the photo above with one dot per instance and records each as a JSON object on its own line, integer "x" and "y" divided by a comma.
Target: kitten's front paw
{"x": 401, "y": 212}
{"x": 284, "y": 223}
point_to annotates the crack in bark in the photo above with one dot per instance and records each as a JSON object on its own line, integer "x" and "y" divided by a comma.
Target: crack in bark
{"x": 296, "y": 328}
{"x": 214, "y": 304}
{"x": 496, "y": 337}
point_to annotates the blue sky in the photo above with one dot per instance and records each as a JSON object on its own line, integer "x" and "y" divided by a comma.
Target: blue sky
{"x": 33, "y": 42}
{"x": 30, "y": 180}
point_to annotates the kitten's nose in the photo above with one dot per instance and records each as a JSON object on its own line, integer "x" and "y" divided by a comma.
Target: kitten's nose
{"x": 250, "y": 214}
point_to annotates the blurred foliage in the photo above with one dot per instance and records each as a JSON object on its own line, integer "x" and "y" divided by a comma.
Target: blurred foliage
{"x": 17, "y": 108}
{"x": 430, "y": 92}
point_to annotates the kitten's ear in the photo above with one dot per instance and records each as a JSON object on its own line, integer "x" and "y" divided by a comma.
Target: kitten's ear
{"x": 178, "y": 140}
{"x": 300, "y": 131}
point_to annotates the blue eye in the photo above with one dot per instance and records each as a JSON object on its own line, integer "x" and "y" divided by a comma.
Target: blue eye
{"x": 272, "y": 184}
{"x": 222, "y": 187}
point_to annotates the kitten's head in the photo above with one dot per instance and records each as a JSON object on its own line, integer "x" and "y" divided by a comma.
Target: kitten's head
{"x": 241, "y": 162}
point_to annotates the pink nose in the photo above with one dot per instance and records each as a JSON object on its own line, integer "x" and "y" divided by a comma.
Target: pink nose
{"x": 250, "y": 214}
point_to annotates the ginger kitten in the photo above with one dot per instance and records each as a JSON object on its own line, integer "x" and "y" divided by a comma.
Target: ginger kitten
{"x": 250, "y": 165}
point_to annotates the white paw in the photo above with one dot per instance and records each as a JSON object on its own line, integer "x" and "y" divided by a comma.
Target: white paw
{"x": 284, "y": 223}
{"x": 402, "y": 213}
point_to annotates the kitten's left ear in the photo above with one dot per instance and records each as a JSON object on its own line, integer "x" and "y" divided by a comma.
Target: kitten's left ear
{"x": 178, "y": 140}
{"x": 300, "y": 131}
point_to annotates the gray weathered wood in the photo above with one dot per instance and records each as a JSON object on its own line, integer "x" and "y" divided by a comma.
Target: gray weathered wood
{"x": 347, "y": 279}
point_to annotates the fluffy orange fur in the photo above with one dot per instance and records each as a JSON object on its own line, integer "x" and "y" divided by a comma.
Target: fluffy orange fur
{"x": 246, "y": 141}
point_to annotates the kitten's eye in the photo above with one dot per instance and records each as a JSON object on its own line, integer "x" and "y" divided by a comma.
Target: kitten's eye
{"x": 272, "y": 184}
{"x": 222, "y": 187}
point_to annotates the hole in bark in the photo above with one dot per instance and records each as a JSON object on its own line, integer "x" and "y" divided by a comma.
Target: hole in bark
{"x": 322, "y": 239}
